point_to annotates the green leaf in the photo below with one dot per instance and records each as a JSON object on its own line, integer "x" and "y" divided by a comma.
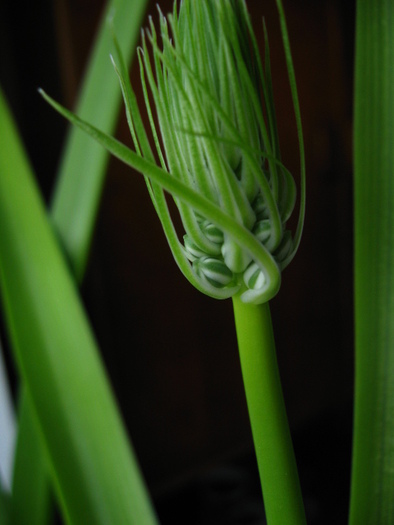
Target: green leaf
{"x": 31, "y": 490}
{"x": 5, "y": 518}
{"x": 74, "y": 210}
{"x": 297, "y": 114}
{"x": 81, "y": 174}
{"x": 372, "y": 491}
{"x": 96, "y": 475}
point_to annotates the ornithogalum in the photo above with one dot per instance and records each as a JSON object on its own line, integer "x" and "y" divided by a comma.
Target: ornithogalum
{"x": 213, "y": 145}
{"x": 213, "y": 122}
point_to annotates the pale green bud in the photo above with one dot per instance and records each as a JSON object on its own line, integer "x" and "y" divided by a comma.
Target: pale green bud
{"x": 192, "y": 250}
{"x": 253, "y": 277}
{"x": 212, "y": 232}
{"x": 214, "y": 271}
{"x": 262, "y": 230}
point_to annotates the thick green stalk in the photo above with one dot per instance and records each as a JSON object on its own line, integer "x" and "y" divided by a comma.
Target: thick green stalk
{"x": 274, "y": 450}
{"x": 372, "y": 488}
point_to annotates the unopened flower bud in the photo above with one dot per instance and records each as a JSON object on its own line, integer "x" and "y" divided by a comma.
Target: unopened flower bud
{"x": 217, "y": 135}
{"x": 214, "y": 270}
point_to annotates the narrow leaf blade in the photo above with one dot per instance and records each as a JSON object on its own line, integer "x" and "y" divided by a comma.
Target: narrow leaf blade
{"x": 81, "y": 175}
{"x": 372, "y": 489}
{"x": 95, "y": 471}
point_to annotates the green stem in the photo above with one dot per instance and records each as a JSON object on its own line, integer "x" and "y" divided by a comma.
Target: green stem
{"x": 372, "y": 487}
{"x": 267, "y": 412}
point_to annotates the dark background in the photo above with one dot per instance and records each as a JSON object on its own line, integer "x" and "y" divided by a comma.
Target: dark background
{"x": 170, "y": 351}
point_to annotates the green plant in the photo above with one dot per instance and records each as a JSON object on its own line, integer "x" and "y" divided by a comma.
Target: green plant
{"x": 234, "y": 246}
{"x": 372, "y": 491}
{"x": 220, "y": 160}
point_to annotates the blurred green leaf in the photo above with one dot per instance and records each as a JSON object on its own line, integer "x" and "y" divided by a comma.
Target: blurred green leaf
{"x": 31, "y": 488}
{"x": 81, "y": 175}
{"x": 4, "y": 508}
{"x": 94, "y": 468}
{"x": 75, "y": 206}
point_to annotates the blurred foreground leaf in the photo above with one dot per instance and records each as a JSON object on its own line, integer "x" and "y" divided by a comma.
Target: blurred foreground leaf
{"x": 96, "y": 475}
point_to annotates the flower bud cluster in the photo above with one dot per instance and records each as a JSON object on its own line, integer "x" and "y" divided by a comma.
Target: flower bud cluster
{"x": 214, "y": 267}
{"x": 215, "y": 132}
